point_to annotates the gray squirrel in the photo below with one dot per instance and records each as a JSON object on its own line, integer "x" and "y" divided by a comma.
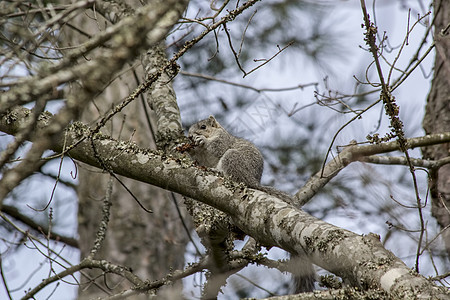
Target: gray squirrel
{"x": 216, "y": 148}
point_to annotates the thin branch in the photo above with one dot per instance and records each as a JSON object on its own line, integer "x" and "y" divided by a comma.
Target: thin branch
{"x": 258, "y": 90}
{"x": 183, "y": 223}
{"x": 101, "y": 232}
{"x": 244, "y": 32}
{"x": 61, "y": 159}
{"x": 36, "y": 240}
{"x": 405, "y": 43}
{"x": 440, "y": 277}
{"x": 5, "y": 284}
{"x": 436, "y": 236}
{"x": 357, "y": 116}
{"x": 173, "y": 276}
{"x": 106, "y": 167}
{"x": 266, "y": 61}
{"x": 86, "y": 263}
{"x": 236, "y": 56}
{"x": 401, "y": 160}
{"x": 353, "y": 153}
{"x": 403, "y": 77}
{"x": 62, "y": 181}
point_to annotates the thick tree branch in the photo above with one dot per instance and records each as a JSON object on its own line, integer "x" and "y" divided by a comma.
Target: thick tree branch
{"x": 161, "y": 97}
{"x": 360, "y": 259}
{"x": 333, "y": 294}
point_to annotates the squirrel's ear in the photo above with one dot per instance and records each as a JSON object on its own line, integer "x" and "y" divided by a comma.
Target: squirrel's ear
{"x": 213, "y": 121}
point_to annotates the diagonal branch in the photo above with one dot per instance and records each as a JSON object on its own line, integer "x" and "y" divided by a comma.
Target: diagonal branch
{"x": 354, "y": 153}
{"x": 85, "y": 264}
{"x": 271, "y": 221}
{"x": 41, "y": 228}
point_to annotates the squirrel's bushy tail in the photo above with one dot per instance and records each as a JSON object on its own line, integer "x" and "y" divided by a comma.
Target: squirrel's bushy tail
{"x": 304, "y": 275}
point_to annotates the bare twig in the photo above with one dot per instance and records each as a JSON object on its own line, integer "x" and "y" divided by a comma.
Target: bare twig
{"x": 236, "y": 56}
{"x": 392, "y": 110}
{"x": 245, "y": 30}
{"x": 342, "y": 127}
{"x": 5, "y": 283}
{"x": 258, "y": 90}
{"x": 266, "y": 61}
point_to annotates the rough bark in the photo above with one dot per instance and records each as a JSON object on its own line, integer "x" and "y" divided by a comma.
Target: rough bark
{"x": 437, "y": 119}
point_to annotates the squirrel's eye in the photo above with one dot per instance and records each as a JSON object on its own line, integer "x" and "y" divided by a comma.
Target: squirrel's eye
{"x": 203, "y": 127}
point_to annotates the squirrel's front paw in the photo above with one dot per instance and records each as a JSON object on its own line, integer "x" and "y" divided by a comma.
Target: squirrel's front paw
{"x": 198, "y": 140}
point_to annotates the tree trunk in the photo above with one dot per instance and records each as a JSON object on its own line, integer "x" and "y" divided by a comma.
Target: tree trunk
{"x": 437, "y": 119}
{"x": 149, "y": 244}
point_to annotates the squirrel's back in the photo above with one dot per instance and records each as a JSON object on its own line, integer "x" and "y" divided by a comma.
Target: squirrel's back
{"x": 214, "y": 147}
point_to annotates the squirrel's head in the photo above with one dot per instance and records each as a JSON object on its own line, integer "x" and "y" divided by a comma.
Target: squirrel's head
{"x": 206, "y": 127}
